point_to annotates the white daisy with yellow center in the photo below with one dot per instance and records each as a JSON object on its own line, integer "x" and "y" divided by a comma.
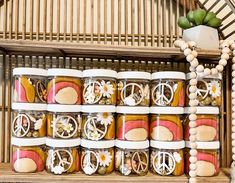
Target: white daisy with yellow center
{"x": 104, "y": 158}
{"x": 68, "y": 127}
{"x": 106, "y": 89}
{"x": 105, "y": 118}
{"x": 214, "y": 89}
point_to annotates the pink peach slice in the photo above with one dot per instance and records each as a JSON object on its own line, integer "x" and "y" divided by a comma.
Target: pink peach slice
{"x": 20, "y": 92}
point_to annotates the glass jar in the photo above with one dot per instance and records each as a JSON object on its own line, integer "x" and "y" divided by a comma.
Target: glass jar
{"x": 98, "y": 122}
{"x": 207, "y": 158}
{"x": 28, "y": 154}
{"x": 30, "y": 85}
{"x": 133, "y": 88}
{"x": 99, "y": 87}
{"x": 132, "y": 158}
{"x": 209, "y": 90}
{"x": 64, "y": 86}
{"x": 64, "y": 121}
{"x": 167, "y": 158}
{"x": 29, "y": 120}
{"x": 207, "y": 124}
{"x": 63, "y": 156}
{"x": 168, "y": 89}
{"x": 132, "y": 123}
{"x": 166, "y": 123}
{"x": 97, "y": 157}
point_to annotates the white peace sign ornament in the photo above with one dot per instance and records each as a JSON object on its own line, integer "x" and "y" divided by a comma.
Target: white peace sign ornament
{"x": 200, "y": 91}
{"x": 89, "y": 92}
{"x": 158, "y": 95}
{"x": 132, "y": 99}
{"x": 164, "y": 163}
{"x": 87, "y": 166}
{"x": 17, "y": 125}
{"x": 141, "y": 165}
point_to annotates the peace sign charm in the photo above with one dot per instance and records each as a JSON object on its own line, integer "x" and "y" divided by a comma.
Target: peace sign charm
{"x": 139, "y": 162}
{"x": 89, "y": 162}
{"x": 21, "y": 125}
{"x": 160, "y": 96}
{"x": 91, "y": 92}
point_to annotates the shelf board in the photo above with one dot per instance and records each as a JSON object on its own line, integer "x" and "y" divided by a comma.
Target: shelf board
{"x": 97, "y": 51}
{"x": 7, "y": 175}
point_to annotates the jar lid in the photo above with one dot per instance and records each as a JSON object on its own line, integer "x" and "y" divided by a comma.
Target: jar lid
{"x": 203, "y": 110}
{"x": 98, "y": 108}
{"x": 201, "y": 76}
{"x": 64, "y": 72}
{"x": 168, "y": 75}
{"x": 134, "y": 75}
{"x": 132, "y": 144}
{"x": 29, "y": 106}
{"x": 166, "y": 110}
{"x": 167, "y": 144}
{"x": 205, "y": 145}
{"x": 28, "y": 141}
{"x": 29, "y": 71}
{"x": 100, "y": 73}
{"x": 63, "y": 108}
{"x": 97, "y": 144}
{"x": 63, "y": 142}
{"x": 132, "y": 110}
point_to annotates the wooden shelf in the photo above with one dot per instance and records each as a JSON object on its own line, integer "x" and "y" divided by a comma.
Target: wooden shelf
{"x": 7, "y": 175}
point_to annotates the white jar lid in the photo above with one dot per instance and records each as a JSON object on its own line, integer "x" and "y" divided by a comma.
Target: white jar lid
{"x": 203, "y": 110}
{"x": 29, "y": 71}
{"x": 132, "y": 110}
{"x": 98, "y": 108}
{"x": 63, "y": 108}
{"x": 101, "y": 144}
{"x": 167, "y": 144}
{"x": 166, "y": 110}
{"x": 29, "y": 106}
{"x": 63, "y": 142}
{"x": 132, "y": 144}
{"x": 168, "y": 75}
{"x": 134, "y": 75}
{"x": 205, "y": 145}
{"x": 201, "y": 76}
{"x": 28, "y": 141}
{"x": 64, "y": 72}
{"x": 100, "y": 73}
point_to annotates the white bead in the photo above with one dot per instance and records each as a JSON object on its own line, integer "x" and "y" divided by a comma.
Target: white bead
{"x": 194, "y": 63}
{"x": 221, "y": 42}
{"x": 193, "y": 166}
{"x": 233, "y": 136}
{"x": 233, "y": 46}
{"x": 233, "y": 143}
{"x": 183, "y": 46}
{"x": 193, "y": 159}
{"x": 194, "y": 52}
{"x": 192, "y": 138}
{"x": 233, "y": 80}
{"x": 233, "y": 115}
{"x": 214, "y": 71}
{"x": 207, "y": 71}
{"x": 177, "y": 42}
{"x": 193, "y": 110}
{"x": 220, "y": 68}
{"x": 231, "y": 41}
{"x": 233, "y": 101}
{"x": 192, "y": 174}
{"x": 225, "y": 44}
{"x": 192, "y": 117}
{"x": 233, "y": 59}
{"x": 233, "y": 66}
{"x": 192, "y": 89}
{"x": 233, "y": 73}
{"x": 225, "y": 56}
{"x": 192, "y": 180}
{"x": 233, "y": 52}
{"x": 223, "y": 62}
{"x": 193, "y": 82}
{"x": 233, "y": 122}
{"x": 192, "y": 69}
{"x": 187, "y": 51}
{"x": 233, "y": 87}
{"x": 225, "y": 50}
{"x": 233, "y": 108}
{"x": 233, "y": 149}
{"x": 233, "y": 94}
{"x": 192, "y": 96}
{"x": 193, "y": 152}
{"x": 200, "y": 68}
{"x": 192, "y": 124}
{"x": 192, "y": 44}
{"x": 192, "y": 131}
{"x": 190, "y": 58}
{"x": 193, "y": 103}
{"x": 233, "y": 157}
{"x": 192, "y": 75}
{"x": 193, "y": 145}
{"x": 233, "y": 130}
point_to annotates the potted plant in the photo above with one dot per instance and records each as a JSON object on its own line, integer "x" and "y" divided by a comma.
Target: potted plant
{"x": 201, "y": 27}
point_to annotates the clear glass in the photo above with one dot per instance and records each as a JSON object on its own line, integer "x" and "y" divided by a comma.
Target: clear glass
{"x": 64, "y": 125}
{"x": 97, "y": 161}
{"x": 168, "y": 92}
{"x": 167, "y": 161}
{"x": 30, "y": 89}
{"x": 132, "y": 127}
{"x": 64, "y": 90}
{"x": 99, "y": 90}
{"x": 98, "y": 126}
{"x": 133, "y": 92}
{"x": 132, "y": 161}
{"x": 62, "y": 160}
{"x": 28, "y": 159}
{"x": 31, "y": 124}
{"x": 166, "y": 127}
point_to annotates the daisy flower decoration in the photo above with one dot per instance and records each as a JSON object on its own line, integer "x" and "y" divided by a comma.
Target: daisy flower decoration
{"x": 106, "y": 89}
{"x": 105, "y": 118}
{"x": 177, "y": 157}
{"x": 214, "y": 89}
{"x": 104, "y": 158}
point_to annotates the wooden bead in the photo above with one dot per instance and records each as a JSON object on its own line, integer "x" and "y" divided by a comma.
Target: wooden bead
{"x": 233, "y": 122}
{"x": 194, "y": 63}
{"x": 192, "y": 96}
{"x": 233, "y": 52}
{"x": 193, "y": 145}
{"x": 187, "y": 51}
{"x": 233, "y": 136}
{"x": 193, "y": 152}
{"x": 190, "y": 58}
{"x": 192, "y": 138}
{"x": 192, "y": 124}
{"x": 200, "y": 68}
{"x": 192, "y": 69}
{"x": 225, "y": 50}
{"x": 192, "y": 131}
{"x": 183, "y": 46}
{"x": 178, "y": 42}
{"x": 233, "y": 94}
{"x": 233, "y": 130}
{"x": 225, "y": 56}
{"x": 192, "y": 180}
{"x": 192, "y": 89}
{"x": 223, "y": 62}
{"x": 233, "y": 157}
{"x": 220, "y": 68}
{"x": 192, "y": 174}
{"x": 214, "y": 71}
{"x": 193, "y": 110}
{"x": 194, "y": 53}
{"x": 233, "y": 101}
{"x": 192, "y": 75}
{"x": 207, "y": 71}
{"x": 193, "y": 166}
{"x": 193, "y": 82}
{"x": 193, "y": 103}
{"x": 193, "y": 159}
{"x": 233, "y": 115}
{"x": 192, "y": 117}
{"x": 233, "y": 67}
{"x": 233, "y": 108}
{"x": 233, "y": 143}
{"x": 233, "y": 149}
{"x": 233, "y": 59}
{"x": 233, "y": 73}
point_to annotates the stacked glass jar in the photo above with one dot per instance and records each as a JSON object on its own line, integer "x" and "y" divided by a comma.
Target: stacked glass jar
{"x": 166, "y": 131}
{"x": 98, "y": 121}
{"x": 209, "y": 96}
{"x": 29, "y": 119}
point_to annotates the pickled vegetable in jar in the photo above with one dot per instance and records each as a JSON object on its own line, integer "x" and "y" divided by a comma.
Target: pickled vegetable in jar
{"x": 132, "y": 158}
{"x": 207, "y": 124}
{"x": 63, "y": 156}
{"x": 167, "y": 158}
{"x": 29, "y": 120}
{"x": 30, "y": 85}
{"x": 132, "y": 123}
{"x": 133, "y": 88}
{"x": 97, "y": 157}
{"x": 99, "y": 87}
{"x": 209, "y": 90}
{"x": 28, "y": 154}
{"x": 166, "y": 123}
{"x": 208, "y": 163}
{"x": 64, "y": 86}
{"x": 167, "y": 89}
{"x": 64, "y": 121}
{"x": 98, "y": 122}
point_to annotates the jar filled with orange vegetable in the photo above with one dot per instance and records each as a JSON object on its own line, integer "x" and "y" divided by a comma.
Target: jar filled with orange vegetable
{"x": 167, "y": 89}
{"x": 63, "y": 156}
{"x": 28, "y": 154}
